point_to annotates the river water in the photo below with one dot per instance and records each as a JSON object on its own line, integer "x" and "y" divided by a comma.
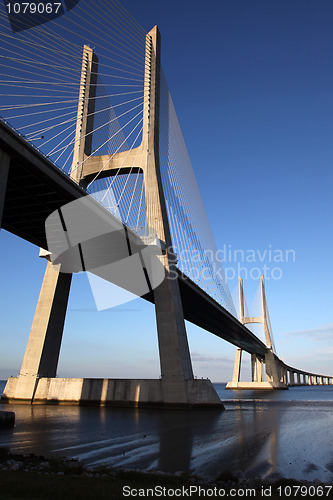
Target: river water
{"x": 263, "y": 434}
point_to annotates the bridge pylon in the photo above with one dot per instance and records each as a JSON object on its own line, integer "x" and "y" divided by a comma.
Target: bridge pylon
{"x": 268, "y": 366}
{"x": 177, "y": 385}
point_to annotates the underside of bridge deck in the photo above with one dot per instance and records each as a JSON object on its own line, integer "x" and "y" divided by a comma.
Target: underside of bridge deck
{"x": 35, "y": 188}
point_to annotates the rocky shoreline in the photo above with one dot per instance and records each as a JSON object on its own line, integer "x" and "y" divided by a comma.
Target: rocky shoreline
{"x": 54, "y": 468}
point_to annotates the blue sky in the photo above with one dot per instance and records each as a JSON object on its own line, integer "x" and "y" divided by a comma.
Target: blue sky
{"x": 252, "y": 87}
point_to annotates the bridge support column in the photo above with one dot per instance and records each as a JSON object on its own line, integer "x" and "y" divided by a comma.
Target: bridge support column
{"x": 42, "y": 352}
{"x": 237, "y": 366}
{"x": 281, "y": 371}
{"x": 175, "y": 359}
{"x": 273, "y": 367}
{"x": 256, "y": 368}
{"x": 260, "y": 369}
{"x": 4, "y": 171}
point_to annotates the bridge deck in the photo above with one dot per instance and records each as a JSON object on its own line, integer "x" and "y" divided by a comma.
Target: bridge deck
{"x": 36, "y": 187}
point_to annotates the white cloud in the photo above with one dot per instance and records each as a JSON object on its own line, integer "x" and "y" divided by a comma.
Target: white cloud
{"x": 321, "y": 332}
{"x": 204, "y": 358}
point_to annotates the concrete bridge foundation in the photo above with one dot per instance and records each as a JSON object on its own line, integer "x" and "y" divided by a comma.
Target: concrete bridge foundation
{"x": 115, "y": 392}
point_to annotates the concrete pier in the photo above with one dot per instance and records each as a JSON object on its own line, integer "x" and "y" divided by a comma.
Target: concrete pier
{"x": 114, "y": 392}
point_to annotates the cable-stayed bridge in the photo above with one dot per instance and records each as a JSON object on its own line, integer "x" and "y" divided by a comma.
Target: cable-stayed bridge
{"x": 95, "y": 171}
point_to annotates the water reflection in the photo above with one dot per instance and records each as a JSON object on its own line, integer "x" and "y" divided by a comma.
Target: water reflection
{"x": 178, "y": 436}
{"x": 259, "y": 437}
